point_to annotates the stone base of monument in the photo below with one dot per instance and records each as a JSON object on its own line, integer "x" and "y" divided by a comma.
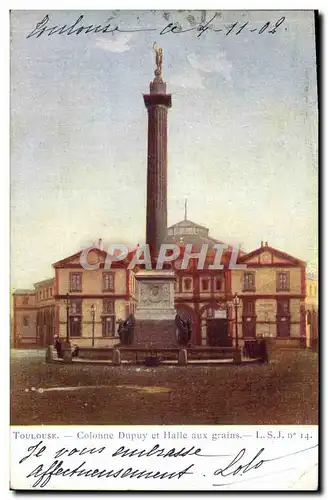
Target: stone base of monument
{"x": 155, "y": 333}
{"x": 155, "y": 315}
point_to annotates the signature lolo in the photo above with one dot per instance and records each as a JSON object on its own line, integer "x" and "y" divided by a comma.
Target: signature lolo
{"x": 234, "y": 465}
{"x": 43, "y": 27}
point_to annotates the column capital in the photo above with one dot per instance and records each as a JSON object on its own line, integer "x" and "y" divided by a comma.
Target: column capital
{"x": 156, "y": 99}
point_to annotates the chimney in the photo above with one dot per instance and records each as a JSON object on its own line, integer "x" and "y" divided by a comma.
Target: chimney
{"x": 261, "y": 244}
{"x": 266, "y": 243}
{"x": 100, "y": 244}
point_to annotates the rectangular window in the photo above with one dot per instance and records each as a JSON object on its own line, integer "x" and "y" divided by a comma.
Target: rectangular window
{"x": 50, "y": 292}
{"x": 76, "y": 282}
{"x": 76, "y": 307}
{"x": 249, "y": 282}
{"x": 283, "y": 281}
{"x": 108, "y": 282}
{"x": 187, "y": 284}
{"x": 205, "y": 284}
{"x": 108, "y": 306}
{"x": 283, "y": 307}
{"x": 248, "y": 307}
{"x": 26, "y": 320}
{"x": 25, "y": 300}
{"x": 108, "y": 326}
{"x": 218, "y": 283}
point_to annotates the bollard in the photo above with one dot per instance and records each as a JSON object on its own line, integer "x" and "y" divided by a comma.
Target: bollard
{"x": 264, "y": 351}
{"x": 237, "y": 356}
{"x": 67, "y": 355}
{"x": 183, "y": 357}
{"x": 49, "y": 354}
{"x": 116, "y": 357}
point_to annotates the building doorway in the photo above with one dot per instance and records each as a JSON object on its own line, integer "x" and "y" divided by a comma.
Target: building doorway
{"x": 218, "y": 332}
{"x": 75, "y": 329}
{"x": 215, "y": 324}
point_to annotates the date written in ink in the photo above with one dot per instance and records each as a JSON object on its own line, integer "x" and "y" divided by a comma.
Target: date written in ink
{"x": 235, "y": 28}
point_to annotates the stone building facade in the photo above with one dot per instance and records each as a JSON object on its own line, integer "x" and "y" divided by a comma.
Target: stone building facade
{"x": 24, "y": 332}
{"x": 311, "y": 307}
{"x": 272, "y": 286}
{"x": 111, "y": 292}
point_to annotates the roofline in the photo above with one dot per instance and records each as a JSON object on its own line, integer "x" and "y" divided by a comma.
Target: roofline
{"x": 77, "y": 254}
{"x": 188, "y": 220}
{"x": 279, "y": 253}
{"x": 60, "y": 263}
{"x": 48, "y": 280}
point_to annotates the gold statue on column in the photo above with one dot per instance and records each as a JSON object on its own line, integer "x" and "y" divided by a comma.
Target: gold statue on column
{"x": 159, "y": 59}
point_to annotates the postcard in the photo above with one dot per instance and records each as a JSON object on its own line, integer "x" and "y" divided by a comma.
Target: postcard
{"x": 164, "y": 250}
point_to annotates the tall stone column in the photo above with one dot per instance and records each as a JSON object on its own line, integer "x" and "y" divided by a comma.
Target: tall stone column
{"x": 157, "y": 103}
{"x": 155, "y": 314}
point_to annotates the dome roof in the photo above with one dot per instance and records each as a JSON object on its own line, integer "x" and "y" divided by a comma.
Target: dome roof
{"x": 188, "y": 223}
{"x": 187, "y": 231}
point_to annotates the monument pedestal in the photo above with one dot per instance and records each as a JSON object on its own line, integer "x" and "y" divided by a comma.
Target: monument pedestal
{"x": 155, "y": 315}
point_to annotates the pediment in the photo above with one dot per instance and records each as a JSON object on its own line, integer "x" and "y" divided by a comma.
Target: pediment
{"x": 93, "y": 257}
{"x": 269, "y": 256}
{"x": 279, "y": 260}
{"x": 253, "y": 260}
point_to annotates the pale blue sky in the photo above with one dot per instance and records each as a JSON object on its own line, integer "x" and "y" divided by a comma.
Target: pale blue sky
{"x": 242, "y": 136}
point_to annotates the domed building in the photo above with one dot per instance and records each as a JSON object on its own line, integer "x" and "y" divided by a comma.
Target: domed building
{"x": 187, "y": 231}
{"x": 270, "y": 284}
{"x": 202, "y": 294}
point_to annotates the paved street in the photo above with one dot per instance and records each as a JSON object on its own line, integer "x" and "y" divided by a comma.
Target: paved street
{"x": 282, "y": 392}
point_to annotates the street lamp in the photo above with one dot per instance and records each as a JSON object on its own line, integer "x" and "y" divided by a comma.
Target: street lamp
{"x": 93, "y": 313}
{"x": 68, "y": 305}
{"x": 236, "y": 302}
